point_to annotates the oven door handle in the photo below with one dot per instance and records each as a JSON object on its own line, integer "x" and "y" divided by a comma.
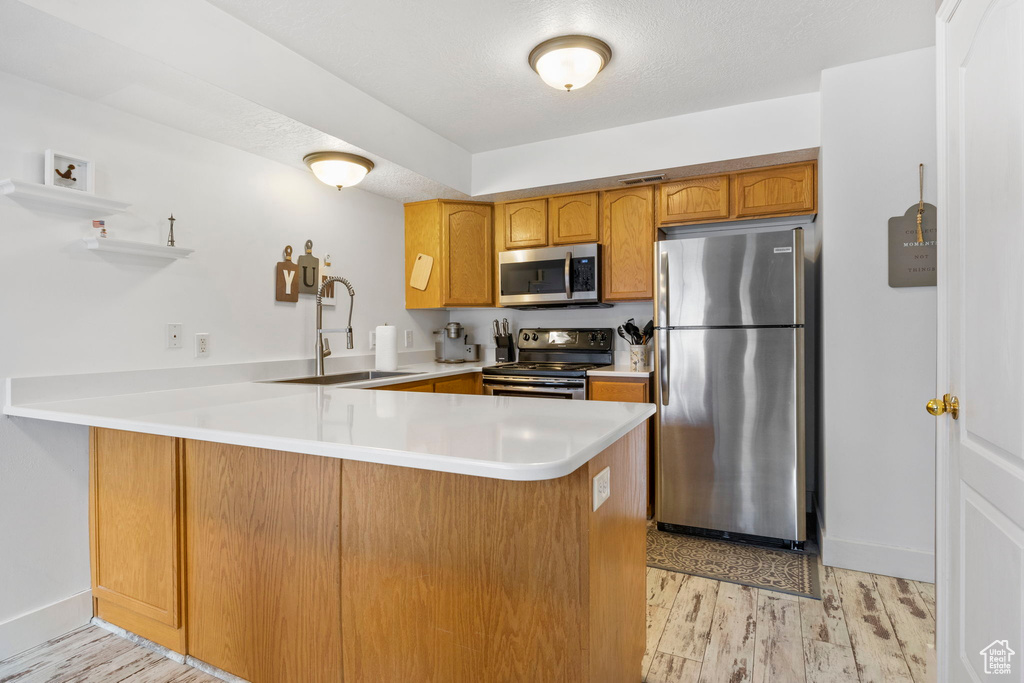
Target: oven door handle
{"x": 512, "y": 381}
{"x": 534, "y": 389}
{"x": 568, "y": 275}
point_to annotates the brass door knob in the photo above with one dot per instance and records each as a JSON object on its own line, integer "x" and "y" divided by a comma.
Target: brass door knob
{"x": 947, "y": 404}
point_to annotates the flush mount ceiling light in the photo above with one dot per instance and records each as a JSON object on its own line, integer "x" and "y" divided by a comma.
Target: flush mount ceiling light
{"x": 570, "y": 62}
{"x": 338, "y": 168}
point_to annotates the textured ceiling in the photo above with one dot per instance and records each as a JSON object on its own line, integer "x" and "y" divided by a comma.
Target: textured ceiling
{"x": 459, "y": 66}
{"x": 91, "y": 67}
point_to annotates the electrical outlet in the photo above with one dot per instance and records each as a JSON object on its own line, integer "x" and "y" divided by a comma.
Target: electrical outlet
{"x": 202, "y": 344}
{"x": 408, "y": 338}
{"x": 373, "y": 338}
{"x": 174, "y": 336}
{"x": 602, "y": 486}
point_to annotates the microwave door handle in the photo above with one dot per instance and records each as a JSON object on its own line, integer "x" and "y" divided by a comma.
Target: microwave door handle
{"x": 568, "y": 275}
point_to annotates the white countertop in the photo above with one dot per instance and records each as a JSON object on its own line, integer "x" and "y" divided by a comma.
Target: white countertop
{"x": 513, "y": 438}
{"x": 619, "y": 371}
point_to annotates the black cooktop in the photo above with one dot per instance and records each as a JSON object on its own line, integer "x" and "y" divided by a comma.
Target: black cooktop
{"x": 541, "y": 369}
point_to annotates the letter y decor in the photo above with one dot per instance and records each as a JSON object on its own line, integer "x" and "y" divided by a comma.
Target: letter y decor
{"x": 287, "y": 278}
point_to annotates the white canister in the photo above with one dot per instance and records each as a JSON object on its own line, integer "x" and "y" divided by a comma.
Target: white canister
{"x": 638, "y": 356}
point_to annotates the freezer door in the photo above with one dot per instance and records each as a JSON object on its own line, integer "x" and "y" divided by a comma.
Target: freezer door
{"x": 720, "y": 279}
{"x": 731, "y": 431}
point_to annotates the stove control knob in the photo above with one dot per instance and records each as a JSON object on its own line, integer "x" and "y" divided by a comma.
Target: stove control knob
{"x": 526, "y": 337}
{"x": 534, "y": 336}
{"x": 593, "y": 337}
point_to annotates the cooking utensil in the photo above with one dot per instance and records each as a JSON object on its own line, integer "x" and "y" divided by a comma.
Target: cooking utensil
{"x": 496, "y": 329}
{"x": 633, "y": 331}
{"x": 648, "y": 332}
{"x": 505, "y": 329}
{"x": 622, "y": 333}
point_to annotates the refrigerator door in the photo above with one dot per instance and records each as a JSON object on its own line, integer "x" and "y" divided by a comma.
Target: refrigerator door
{"x": 737, "y": 279}
{"x": 731, "y": 431}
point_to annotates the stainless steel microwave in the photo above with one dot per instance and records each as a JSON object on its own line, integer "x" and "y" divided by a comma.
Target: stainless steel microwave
{"x": 553, "y": 276}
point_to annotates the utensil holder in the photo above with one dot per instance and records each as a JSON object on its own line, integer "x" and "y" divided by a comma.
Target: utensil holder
{"x": 638, "y": 356}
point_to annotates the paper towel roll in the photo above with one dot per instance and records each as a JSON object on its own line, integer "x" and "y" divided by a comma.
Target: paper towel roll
{"x": 387, "y": 347}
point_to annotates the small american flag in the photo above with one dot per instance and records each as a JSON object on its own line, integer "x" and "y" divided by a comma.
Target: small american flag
{"x": 98, "y": 224}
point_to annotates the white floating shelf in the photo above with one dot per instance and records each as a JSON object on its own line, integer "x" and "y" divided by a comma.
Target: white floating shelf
{"x": 61, "y": 198}
{"x": 137, "y": 248}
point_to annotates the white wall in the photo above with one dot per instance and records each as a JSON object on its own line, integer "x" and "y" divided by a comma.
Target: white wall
{"x": 67, "y": 310}
{"x": 745, "y": 130}
{"x": 878, "y": 124}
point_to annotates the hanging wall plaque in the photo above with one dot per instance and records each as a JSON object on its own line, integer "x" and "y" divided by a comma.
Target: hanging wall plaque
{"x": 287, "y": 278}
{"x": 912, "y": 256}
{"x": 309, "y": 271}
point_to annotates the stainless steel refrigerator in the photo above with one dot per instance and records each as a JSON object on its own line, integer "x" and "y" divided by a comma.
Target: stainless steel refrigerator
{"x": 730, "y": 358}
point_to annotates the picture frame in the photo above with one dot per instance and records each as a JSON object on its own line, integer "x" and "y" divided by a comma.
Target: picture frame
{"x": 80, "y": 178}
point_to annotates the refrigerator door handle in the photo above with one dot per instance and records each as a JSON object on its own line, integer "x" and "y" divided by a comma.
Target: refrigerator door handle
{"x": 662, "y": 312}
{"x": 663, "y": 366}
{"x": 662, "y": 316}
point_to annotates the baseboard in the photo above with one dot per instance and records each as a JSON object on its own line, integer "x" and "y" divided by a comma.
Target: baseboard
{"x": 37, "y": 627}
{"x": 890, "y": 560}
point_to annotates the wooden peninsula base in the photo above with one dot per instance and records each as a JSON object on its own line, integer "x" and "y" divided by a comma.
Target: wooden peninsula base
{"x": 282, "y": 567}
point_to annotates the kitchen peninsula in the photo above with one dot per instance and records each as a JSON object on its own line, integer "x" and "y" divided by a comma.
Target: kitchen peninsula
{"x": 288, "y": 532}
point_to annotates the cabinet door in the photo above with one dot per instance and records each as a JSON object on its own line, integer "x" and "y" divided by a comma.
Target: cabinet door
{"x": 264, "y": 576}
{"x": 468, "y": 254}
{"x": 526, "y": 224}
{"x": 463, "y": 384}
{"x": 627, "y": 390}
{"x": 573, "y": 219}
{"x": 136, "y": 533}
{"x": 787, "y": 189}
{"x": 693, "y": 199}
{"x": 427, "y": 386}
{"x": 628, "y": 237}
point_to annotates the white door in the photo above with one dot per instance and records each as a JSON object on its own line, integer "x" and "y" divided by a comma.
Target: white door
{"x": 980, "y": 496}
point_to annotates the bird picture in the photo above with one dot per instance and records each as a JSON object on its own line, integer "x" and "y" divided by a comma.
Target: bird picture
{"x": 66, "y": 175}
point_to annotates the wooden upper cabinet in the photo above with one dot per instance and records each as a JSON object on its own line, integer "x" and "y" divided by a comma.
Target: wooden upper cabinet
{"x": 458, "y": 236}
{"x": 136, "y": 537}
{"x": 526, "y": 224}
{"x": 783, "y": 189}
{"x": 468, "y": 254}
{"x": 573, "y": 218}
{"x": 627, "y": 234}
{"x": 693, "y": 199}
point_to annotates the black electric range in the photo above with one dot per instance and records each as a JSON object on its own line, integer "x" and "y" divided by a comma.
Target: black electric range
{"x": 553, "y": 363}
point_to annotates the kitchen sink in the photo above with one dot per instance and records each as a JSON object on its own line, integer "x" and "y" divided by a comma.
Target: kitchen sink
{"x": 345, "y": 377}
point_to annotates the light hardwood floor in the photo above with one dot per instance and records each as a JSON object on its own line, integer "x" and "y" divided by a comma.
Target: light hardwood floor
{"x": 94, "y": 654}
{"x": 866, "y": 628}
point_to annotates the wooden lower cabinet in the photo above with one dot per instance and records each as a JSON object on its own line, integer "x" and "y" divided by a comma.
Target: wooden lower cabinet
{"x": 263, "y": 573}
{"x": 469, "y": 383}
{"x": 625, "y": 389}
{"x": 309, "y": 568}
{"x": 136, "y": 533}
{"x": 452, "y": 578}
{"x": 628, "y": 390}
